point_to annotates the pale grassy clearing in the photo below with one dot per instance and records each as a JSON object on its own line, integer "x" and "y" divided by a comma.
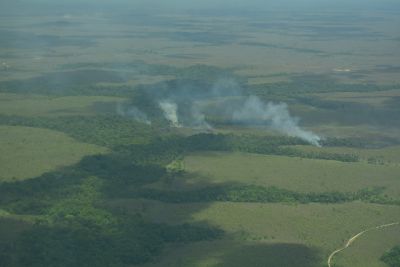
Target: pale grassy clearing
{"x": 298, "y": 174}
{"x": 322, "y": 227}
{"x": 368, "y": 249}
{"x": 29, "y": 152}
{"x": 38, "y": 105}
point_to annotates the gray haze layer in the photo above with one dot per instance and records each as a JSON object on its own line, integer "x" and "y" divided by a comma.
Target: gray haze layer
{"x": 276, "y": 116}
{"x": 186, "y": 106}
{"x": 132, "y": 112}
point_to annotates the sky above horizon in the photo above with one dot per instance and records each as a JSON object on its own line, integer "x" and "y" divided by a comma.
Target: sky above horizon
{"x": 26, "y": 6}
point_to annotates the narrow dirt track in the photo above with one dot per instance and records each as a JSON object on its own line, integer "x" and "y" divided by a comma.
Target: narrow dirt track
{"x": 353, "y": 238}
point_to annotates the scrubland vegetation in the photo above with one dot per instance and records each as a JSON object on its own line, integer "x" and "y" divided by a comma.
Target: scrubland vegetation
{"x": 95, "y": 171}
{"x": 392, "y": 257}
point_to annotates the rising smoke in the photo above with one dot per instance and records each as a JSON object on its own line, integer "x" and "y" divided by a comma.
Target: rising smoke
{"x": 199, "y": 119}
{"x": 170, "y": 110}
{"x": 276, "y": 116}
{"x": 132, "y": 112}
{"x": 188, "y": 106}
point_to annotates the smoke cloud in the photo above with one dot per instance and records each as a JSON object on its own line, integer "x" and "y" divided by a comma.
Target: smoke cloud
{"x": 276, "y": 116}
{"x": 133, "y": 112}
{"x": 170, "y": 110}
{"x": 199, "y": 119}
{"x": 189, "y": 104}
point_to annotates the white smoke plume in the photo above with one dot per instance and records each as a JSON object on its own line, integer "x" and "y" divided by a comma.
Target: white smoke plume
{"x": 189, "y": 105}
{"x": 276, "y": 116}
{"x": 170, "y": 110}
{"x": 199, "y": 119}
{"x": 133, "y": 112}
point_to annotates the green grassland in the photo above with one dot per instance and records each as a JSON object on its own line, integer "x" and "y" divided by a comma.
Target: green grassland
{"x": 369, "y": 248}
{"x": 381, "y": 156}
{"x": 37, "y": 105}
{"x": 28, "y": 152}
{"x": 298, "y": 174}
{"x": 83, "y": 185}
{"x": 309, "y": 42}
{"x": 322, "y": 227}
{"x": 376, "y": 99}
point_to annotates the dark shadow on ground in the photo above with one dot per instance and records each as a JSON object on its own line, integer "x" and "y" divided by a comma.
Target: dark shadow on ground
{"x": 272, "y": 255}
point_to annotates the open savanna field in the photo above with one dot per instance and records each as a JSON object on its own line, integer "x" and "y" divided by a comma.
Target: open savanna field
{"x": 287, "y": 234}
{"x": 199, "y": 137}
{"x": 38, "y": 105}
{"x": 293, "y": 173}
{"x": 29, "y": 152}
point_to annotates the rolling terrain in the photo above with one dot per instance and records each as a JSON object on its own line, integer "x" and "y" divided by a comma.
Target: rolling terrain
{"x": 199, "y": 137}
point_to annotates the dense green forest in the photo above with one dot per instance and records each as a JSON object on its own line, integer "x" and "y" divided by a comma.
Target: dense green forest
{"x": 73, "y": 226}
{"x": 117, "y": 132}
{"x": 207, "y": 134}
{"x": 392, "y": 257}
